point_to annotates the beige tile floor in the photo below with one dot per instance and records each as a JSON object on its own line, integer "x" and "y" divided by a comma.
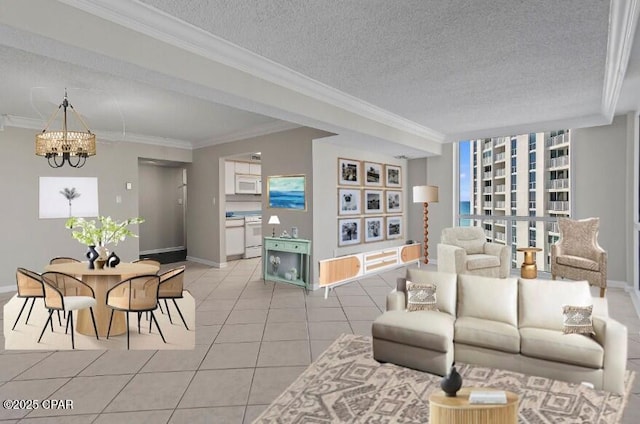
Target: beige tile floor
{"x": 252, "y": 340}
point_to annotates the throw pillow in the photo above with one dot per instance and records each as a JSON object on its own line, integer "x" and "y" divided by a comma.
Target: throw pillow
{"x": 577, "y": 319}
{"x": 421, "y": 297}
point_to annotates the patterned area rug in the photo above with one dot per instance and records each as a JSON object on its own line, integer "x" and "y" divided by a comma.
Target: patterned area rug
{"x": 345, "y": 385}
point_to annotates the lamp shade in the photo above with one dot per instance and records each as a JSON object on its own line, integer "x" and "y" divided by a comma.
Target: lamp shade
{"x": 273, "y": 219}
{"x": 425, "y": 194}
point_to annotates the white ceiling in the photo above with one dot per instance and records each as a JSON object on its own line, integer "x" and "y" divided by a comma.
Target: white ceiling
{"x": 403, "y": 76}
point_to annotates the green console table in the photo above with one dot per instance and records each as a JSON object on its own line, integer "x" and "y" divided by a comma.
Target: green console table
{"x": 293, "y": 254}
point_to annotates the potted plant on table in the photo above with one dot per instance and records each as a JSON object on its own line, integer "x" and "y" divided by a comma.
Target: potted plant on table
{"x": 97, "y": 237}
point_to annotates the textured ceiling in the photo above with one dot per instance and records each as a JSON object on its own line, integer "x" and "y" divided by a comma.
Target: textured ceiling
{"x": 455, "y": 66}
{"x": 401, "y": 75}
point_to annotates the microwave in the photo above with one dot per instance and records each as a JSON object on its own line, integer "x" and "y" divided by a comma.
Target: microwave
{"x": 248, "y": 184}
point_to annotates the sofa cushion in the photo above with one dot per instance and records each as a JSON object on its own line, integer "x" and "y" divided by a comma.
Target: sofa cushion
{"x": 577, "y": 319}
{"x": 488, "y": 334}
{"x": 421, "y": 297}
{"x": 481, "y": 261}
{"x": 541, "y": 301}
{"x": 493, "y": 299}
{"x": 426, "y": 329}
{"x": 446, "y": 292}
{"x": 576, "y": 262}
{"x": 574, "y": 349}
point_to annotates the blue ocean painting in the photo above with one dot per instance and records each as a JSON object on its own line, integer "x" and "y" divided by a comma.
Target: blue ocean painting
{"x": 287, "y": 192}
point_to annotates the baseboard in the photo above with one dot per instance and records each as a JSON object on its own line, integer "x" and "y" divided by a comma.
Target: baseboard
{"x": 617, "y": 284}
{"x": 163, "y": 250}
{"x": 635, "y": 298}
{"x": 207, "y": 262}
{"x": 7, "y": 289}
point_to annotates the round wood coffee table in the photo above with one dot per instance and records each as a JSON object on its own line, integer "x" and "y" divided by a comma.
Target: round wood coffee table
{"x": 529, "y": 268}
{"x": 458, "y": 410}
{"x": 100, "y": 281}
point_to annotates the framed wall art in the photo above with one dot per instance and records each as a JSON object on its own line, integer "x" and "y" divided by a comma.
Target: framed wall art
{"x": 65, "y": 197}
{"x": 373, "y": 201}
{"x": 393, "y": 176}
{"x": 349, "y": 231}
{"x": 349, "y": 201}
{"x": 287, "y": 192}
{"x": 393, "y": 201}
{"x": 394, "y": 227}
{"x": 373, "y": 174}
{"x": 349, "y": 172}
{"x": 373, "y": 229}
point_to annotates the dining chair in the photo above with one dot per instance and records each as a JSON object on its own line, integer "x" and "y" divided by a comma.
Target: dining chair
{"x": 62, "y": 260}
{"x": 147, "y": 261}
{"x": 64, "y": 292}
{"x": 136, "y": 294}
{"x": 171, "y": 287}
{"x": 29, "y": 287}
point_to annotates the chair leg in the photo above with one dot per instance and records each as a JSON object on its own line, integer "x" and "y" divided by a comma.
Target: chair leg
{"x": 139, "y": 317}
{"x": 153, "y": 317}
{"x": 21, "y": 309}
{"x": 59, "y": 321}
{"x": 553, "y": 277}
{"x": 30, "y": 309}
{"x": 602, "y": 291}
{"x": 95, "y": 327}
{"x": 66, "y": 329}
{"x": 45, "y": 325}
{"x": 70, "y": 321}
{"x": 127, "y": 330}
{"x": 109, "y": 329}
{"x": 166, "y": 306}
{"x": 160, "y": 306}
{"x": 180, "y": 312}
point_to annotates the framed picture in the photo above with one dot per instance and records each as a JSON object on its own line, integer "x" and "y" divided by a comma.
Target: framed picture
{"x": 65, "y": 197}
{"x": 287, "y": 192}
{"x": 349, "y": 172}
{"x": 373, "y": 201}
{"x": 394, "y": 227}
{"x": 373, "y": 229}
{"x": 349, "y": 201}
{"x": 349, "y": 231}
{"x": 393, "y": 176}
{"x": 393, "y": 201}
{"x": 373, "y": 174}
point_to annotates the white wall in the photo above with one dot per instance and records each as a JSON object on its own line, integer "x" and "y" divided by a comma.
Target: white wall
{"x": 31, "y": 242}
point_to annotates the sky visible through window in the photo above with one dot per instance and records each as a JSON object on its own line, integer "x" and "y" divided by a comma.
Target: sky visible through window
{"x": 465, "y": 171}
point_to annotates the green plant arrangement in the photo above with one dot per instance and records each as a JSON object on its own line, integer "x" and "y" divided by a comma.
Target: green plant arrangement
{"x": 110, "y": 231}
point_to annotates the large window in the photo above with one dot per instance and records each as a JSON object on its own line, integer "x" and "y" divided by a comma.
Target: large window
{"x": 519, "y": 207}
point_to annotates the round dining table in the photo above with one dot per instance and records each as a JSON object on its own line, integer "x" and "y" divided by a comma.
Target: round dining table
{"x": 101, "y": 280}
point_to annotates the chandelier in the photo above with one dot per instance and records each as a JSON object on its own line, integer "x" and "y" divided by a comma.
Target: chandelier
{"x": 72, "y": 147}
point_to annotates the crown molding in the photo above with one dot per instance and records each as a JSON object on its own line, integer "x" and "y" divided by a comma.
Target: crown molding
{"x": 243, "y": 134}
{"x": 155, "y": 23}
{"x": 38, "y": 124}
{"x": 623, "y": 19}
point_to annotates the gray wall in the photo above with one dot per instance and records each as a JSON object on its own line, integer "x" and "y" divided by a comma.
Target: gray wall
{"x": 600, "y": 188}
{"x": 31, "y": 242}
{"x": 441, "y": 214}
{"x": 287, "y": 152}
{"x": 325, "y": 220}
{"x": 416, "y": 175}
{"x": 160, "y": 194}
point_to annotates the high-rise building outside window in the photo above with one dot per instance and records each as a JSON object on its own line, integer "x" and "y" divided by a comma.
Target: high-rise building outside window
{"x": 505, "y": 182}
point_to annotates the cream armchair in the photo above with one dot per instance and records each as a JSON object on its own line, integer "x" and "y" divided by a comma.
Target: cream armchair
{"x": 577, "y": 255}
{"x": 464, "y": 250}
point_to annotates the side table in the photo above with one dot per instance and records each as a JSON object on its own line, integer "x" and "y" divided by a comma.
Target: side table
{"x": 458, "y": 410}
{"x": 529, "y": 268}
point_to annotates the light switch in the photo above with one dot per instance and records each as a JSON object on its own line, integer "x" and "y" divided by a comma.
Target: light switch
{"x": 118, "y": 199}
{"x": 179, "y": 201}
{"x": 129, "y": 186}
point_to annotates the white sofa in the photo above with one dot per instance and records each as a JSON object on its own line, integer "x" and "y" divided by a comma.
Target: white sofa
{"x": 509, "y": 323}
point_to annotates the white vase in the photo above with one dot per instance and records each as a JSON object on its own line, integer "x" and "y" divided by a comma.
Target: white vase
{"x": 103, "y": 252}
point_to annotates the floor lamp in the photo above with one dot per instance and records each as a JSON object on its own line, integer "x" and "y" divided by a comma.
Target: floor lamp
{"x": 425, "y": 194}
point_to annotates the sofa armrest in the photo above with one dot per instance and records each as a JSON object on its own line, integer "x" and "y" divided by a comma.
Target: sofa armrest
{"x": 502, "y": 252}
{"x": 451, "y": 258}
{"x": 396, "y": 301}
{"x": 612, "y": 336}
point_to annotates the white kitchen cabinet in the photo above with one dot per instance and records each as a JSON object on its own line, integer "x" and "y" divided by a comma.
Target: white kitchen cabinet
{"x": 242, "y": 168}
{"x": 255, "y": 169}
{"x": 229, "y": 177}
{"x": 234, "y": 236}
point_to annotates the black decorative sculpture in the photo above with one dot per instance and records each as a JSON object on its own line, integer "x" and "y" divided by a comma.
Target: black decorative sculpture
{"x": 113, "y": 260}
{"x": 92, "y": 255}
{"x": 452, "y": 382}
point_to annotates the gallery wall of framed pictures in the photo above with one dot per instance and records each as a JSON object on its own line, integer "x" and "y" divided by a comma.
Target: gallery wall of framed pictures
{"x": 370, "y": 202}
